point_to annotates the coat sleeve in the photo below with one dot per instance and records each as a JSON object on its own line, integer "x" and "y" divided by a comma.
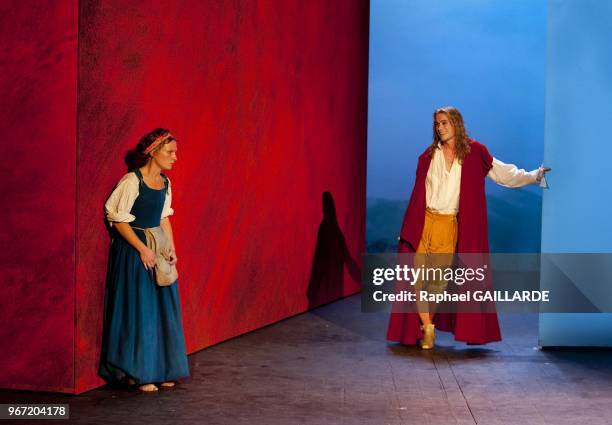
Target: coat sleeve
{"x": 486, "y": 159}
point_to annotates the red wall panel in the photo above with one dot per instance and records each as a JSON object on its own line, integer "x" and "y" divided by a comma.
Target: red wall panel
{"x": 38, "y": 51}
{"x": 268, "y": 100}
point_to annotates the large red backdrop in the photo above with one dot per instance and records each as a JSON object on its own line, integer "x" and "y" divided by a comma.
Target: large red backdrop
{"x": 268, "y": 100}
{"x": 38, "y": 59}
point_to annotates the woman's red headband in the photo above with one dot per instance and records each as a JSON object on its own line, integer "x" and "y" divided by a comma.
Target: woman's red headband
{"x": 157, "y": 142}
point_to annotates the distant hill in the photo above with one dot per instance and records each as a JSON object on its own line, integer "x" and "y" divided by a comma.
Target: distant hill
{"x": 383, "y": 222}
{"x": 514, "y": 222}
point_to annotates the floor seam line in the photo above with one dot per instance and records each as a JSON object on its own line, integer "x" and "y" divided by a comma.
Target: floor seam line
{"x": 450, "y": 366}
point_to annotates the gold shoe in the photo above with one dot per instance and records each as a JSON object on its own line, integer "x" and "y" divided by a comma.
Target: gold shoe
{"x": 429, "y": 336}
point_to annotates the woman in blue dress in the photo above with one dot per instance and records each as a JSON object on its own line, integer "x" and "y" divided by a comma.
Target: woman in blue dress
{"x": 143, "y": 340}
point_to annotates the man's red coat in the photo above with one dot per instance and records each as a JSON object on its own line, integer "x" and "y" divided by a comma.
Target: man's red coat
{"x": 476, "y": 328}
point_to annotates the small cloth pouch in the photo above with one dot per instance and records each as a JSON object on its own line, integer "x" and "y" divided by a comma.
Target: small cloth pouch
{"x": 157, "y": 241}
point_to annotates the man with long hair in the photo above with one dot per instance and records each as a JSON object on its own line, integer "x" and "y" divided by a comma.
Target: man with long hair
{"x": 440, "y": 221}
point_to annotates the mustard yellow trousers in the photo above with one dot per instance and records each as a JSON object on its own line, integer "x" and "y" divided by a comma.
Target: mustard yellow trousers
{"x": 435, "y": 250}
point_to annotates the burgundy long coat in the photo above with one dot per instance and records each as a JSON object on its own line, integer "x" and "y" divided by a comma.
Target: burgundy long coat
{"x": 476, "y": 328}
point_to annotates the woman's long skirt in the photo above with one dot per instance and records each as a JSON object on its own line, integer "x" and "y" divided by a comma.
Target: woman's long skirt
{"x": 143, "y": 333}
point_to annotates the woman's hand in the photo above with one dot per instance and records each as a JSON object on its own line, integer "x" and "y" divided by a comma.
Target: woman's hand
{"x": 148, "y": 258}
{"x": 173, "y": 258}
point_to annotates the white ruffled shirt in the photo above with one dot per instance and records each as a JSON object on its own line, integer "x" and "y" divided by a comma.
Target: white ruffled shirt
{"x": 120, "y": 202}
{"x": 442, "y": 186}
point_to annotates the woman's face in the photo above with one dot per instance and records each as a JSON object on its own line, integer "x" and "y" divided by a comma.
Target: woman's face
{"x": 165, "y": 156}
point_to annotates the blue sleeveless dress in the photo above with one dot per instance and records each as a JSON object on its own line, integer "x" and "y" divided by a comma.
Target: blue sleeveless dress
{"x": 143, "y": 333}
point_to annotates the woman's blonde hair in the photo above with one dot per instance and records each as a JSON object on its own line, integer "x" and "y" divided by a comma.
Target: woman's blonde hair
{"x": 462, "y": 146}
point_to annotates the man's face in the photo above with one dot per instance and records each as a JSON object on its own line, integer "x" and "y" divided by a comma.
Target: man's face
{"x": 444, "y": 127}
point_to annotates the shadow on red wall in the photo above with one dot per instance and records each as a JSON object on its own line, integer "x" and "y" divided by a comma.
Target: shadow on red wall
{"x": 330, "y": 258}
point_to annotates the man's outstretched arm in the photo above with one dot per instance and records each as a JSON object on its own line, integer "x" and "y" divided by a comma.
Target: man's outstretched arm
{"x": 509, "y": 175}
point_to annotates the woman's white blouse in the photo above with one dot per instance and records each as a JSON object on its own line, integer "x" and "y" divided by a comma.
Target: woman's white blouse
{"x": 442, "y": 186}
{"x": 120, "y": 202}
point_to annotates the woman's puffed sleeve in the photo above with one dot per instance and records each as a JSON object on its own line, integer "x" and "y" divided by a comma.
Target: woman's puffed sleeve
{"x": 168, "y": 211}
{"x": 120, "y": 202}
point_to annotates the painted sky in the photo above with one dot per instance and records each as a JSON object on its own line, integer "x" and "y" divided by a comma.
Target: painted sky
{"x": 485, "y": 57}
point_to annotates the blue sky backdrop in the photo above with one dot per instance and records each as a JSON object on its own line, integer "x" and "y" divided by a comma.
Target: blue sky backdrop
{"x": 485, "y": 57}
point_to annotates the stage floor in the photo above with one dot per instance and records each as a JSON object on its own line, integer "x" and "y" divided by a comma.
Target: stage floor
{"x": 333, "y": 366}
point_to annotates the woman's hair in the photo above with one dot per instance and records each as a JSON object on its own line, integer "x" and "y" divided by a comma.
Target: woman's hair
{"x": 136, "y": 158}
{"x": 462, "y": 146}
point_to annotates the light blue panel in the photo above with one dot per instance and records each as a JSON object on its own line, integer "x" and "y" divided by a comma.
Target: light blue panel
{"x": 578, "y": 146}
